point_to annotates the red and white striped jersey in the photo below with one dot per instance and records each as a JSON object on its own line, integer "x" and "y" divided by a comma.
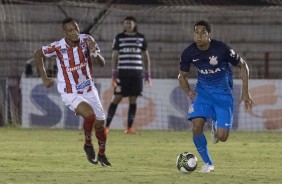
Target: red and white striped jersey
{"x": 74, "y": 65}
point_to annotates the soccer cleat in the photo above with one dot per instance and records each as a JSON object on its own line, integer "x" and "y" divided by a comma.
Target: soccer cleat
{"x": 107, "y": 129}
{"x": 213, "y": 133}
{"x": 207, "y": 168}
{"x": 129, "y": 131}
{"x": 104, "y": 160}
{"x": 90, "y": 153}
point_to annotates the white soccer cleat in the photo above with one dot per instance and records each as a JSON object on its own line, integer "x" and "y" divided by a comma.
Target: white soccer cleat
{"x": 213, "y": 133}
{"x": 207, "y": 168}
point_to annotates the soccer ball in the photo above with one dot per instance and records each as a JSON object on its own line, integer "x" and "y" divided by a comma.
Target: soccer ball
{"x": 186, "y": 162}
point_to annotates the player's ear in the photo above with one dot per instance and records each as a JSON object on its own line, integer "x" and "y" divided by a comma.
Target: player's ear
{"x": 64, "y": 33}
{"x": 63, "y": 30}
{"x": 209, "y": 35}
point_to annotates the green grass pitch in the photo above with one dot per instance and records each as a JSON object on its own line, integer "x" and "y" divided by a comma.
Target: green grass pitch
{"x": 41, "y": 156}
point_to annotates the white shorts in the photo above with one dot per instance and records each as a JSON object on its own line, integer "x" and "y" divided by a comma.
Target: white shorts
{"x": 92, "y": 98}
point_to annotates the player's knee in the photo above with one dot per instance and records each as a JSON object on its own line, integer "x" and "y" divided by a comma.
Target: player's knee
{"x": 90, "y": 118}
{"x": 223, "y": 138}
{"x": 84, "y": 110}
{"x": 99, "y": 125}
{"x": 132, "y": 99}
{"x": 222, "y": 134}
{"x": 116, "y": 100}
{"x": 197, "y": 130}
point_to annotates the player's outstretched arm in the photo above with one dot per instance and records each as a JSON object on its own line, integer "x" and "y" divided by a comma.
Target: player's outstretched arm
{"x": 183, "y": 82}
{"x": 38, "y": 57}
{"x": 245, "y": 95}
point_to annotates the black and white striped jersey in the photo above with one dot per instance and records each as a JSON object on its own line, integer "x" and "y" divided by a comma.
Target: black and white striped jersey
{"x": 130, "y": 48}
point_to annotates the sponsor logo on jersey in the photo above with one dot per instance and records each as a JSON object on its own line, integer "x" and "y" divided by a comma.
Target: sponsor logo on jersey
{"x": 70, "y": 69}
{"x": 213, "y": 60}
{"x": 83, "y": 85}
{"x": 232, "y": 53}
{"x": 194, "y": 60}
{"x": 209, "y": 71}
{"x": 128, "y": 49}
{"x": 63, "y": 51}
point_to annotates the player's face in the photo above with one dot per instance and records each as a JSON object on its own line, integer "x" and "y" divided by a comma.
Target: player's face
{"x": 71, "y": 31}
{"x": 128, "y": 25}
{"x": 201, "y": 36}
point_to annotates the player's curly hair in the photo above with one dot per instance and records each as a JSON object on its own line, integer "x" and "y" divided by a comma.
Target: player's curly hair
{"x": 203, "y": 23}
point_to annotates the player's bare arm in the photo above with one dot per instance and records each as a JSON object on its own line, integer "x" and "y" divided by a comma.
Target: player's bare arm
{"x": 183, "y": 82}
{"x": 245, "y": 95}
{"x": 114, "y": 59}
{"x": 147, "y": 66}
{"x": 114, "y": 67}
{"x": 98, "y": 58}
{"x": 38, "y": 57}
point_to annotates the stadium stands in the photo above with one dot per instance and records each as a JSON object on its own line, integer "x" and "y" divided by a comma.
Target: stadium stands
{"x": 251, "y": 31}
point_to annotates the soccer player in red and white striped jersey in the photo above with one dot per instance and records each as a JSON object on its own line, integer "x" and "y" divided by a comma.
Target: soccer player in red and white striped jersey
{"x": 74, "y": 54}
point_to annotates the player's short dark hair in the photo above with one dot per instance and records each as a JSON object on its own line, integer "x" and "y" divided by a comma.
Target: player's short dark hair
{"x": 131, "y": 18}
{"x": 67, "y": 20}
{"x": 203, "y": 23}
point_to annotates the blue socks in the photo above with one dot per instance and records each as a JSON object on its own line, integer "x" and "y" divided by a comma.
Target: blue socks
{"x": 200, "y": 142}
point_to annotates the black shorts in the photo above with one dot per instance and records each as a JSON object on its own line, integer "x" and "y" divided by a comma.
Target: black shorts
{"x": 129, "y": 86}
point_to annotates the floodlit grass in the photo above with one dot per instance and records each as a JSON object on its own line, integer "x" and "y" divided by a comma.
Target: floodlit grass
{"x": 39, "y": 156}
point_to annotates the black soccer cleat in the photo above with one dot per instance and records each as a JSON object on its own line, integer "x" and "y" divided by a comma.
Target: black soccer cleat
{"x": 104, "y": 160}
{"x": 90, "y": 153}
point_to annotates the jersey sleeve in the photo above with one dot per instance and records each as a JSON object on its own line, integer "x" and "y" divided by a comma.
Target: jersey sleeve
{"x": 144, "y": 45}
{"x": 232, "y": 56}
{"x": 115, "y": 43}
{"x": 49, "y": 50}
{"x": 185, "y": 61}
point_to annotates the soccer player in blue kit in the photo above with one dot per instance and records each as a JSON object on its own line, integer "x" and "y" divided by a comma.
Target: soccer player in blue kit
{"x": 212, "y": 97}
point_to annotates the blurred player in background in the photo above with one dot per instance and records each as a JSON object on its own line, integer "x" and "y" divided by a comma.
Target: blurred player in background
{"x": 73, "y": 55}
{"x": 128, "y": 57}
{"x": 212, "y": 97}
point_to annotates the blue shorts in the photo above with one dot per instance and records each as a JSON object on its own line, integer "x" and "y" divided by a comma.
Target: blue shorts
{"x": 218, "y": 107}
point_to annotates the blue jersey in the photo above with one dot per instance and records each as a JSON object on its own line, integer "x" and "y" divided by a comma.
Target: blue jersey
{"x": 214, "y": 70}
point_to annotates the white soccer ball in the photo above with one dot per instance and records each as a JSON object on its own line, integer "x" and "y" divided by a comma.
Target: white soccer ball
{"x": 186, "y": 162}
